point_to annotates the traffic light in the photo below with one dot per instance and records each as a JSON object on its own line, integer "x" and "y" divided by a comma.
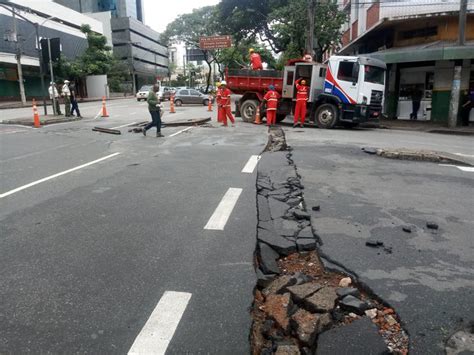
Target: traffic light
{"x": 55, "y": 49}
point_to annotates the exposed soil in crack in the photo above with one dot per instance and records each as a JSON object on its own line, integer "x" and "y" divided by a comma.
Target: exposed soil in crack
{"x": 301, "y": 307}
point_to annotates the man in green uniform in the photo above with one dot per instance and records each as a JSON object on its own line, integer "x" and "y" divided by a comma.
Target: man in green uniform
{"x": 154, "y": 108}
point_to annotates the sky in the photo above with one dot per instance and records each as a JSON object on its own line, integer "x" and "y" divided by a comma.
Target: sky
{"x": 158, "y": 13}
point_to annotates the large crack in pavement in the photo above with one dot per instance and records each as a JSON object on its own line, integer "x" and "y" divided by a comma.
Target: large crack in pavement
{"x": 301, "y": 306}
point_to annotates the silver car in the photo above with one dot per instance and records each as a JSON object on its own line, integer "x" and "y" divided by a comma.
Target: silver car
{"x": 191, "y": 96}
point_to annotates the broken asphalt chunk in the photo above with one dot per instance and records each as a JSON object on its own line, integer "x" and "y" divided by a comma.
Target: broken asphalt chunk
{"x": 322, "y": 301}
{"x": 374, "y": 243}
{"x": 369, "y": 150}
{"x": 268, "y": 258}
{"x": 300, "y": 292}
{"x": 346, "y": 291}
{"x": 359, "y": 337}
{"x": 432, "y": 225}
{"x": 353, "y": 304}
{"x": 299, "y": 214}
{"x": 304, "y": 244}
{"x": 278, "y": 243}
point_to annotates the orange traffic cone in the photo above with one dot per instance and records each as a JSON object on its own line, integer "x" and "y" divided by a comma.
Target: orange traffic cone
{"x": 209, "y": 105}
{"x": 172, "y": 110}
{"x": 257, "y": 116}
{"x": 36, "y": 118}
{"x": 104, "y": 109}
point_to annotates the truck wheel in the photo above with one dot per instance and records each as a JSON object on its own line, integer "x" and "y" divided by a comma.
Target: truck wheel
{"x": 326, "y": 116}
{"x": 248, "y": 109}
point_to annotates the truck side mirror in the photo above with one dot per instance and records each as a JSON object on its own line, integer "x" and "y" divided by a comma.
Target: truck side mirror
{"x": 355, "y": 73}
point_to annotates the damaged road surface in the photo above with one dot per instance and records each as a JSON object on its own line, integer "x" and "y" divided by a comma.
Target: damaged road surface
{"x": 400, "y": 230}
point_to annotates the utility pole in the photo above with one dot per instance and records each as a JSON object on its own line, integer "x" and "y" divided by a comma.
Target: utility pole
{"x": 18, "y": 60}
{"x": 311, "y": 15}
{"x": 41, "y": 64}
{"x": 462, "y": 22}
{"x": 52, "y": 75}
{"x": 456, "y": 85}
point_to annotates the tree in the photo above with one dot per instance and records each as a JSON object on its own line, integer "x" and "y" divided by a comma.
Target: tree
{"x": 97, "y": 58}
{"x": 188, "y": 28}
{"x": 282, "y": 24}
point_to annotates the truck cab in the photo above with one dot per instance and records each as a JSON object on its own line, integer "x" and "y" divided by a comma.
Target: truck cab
{"x": 348, "y": 90}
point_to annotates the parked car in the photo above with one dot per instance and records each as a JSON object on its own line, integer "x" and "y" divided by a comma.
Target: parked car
{"x": 190, "y": 96}
{"x": 165, "y": 93}
{"x": 142, "y": 94}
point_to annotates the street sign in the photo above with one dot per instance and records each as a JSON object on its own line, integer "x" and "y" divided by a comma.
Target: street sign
{"x": 215, "y": 42}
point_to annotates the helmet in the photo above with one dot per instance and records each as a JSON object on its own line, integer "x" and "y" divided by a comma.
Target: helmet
{"x": 251, "y": 50}
{"x": 218, "y": 84}
{"x": 271, "y": 87}
{"x": 223, "y": 83}
{"x": 66, "y": 81}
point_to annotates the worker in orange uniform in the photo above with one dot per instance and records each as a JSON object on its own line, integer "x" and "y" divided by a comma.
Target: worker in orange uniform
{"x": 224, "y": 106}
{"x": 218, "y": 101}
{"x": 271, "y": 99}
{"x": 302, "y": 91}
{"x": 255, "y": 60}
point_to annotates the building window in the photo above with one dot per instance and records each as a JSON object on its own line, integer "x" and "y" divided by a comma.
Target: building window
{"x": 419, "y": 32}
{"x": 346, "y": 72}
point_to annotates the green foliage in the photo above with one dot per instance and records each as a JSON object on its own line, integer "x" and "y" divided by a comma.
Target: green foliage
{"x": 282, "y": 24}
{"x": 96, "y": 60}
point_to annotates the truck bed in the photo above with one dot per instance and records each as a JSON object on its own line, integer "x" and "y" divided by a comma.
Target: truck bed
{"x": 240, "y": 81}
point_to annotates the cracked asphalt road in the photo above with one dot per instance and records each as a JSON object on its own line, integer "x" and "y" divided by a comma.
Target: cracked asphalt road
{"x": 429, "y": 276}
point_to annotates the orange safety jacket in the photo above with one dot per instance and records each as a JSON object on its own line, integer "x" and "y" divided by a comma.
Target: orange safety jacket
{"x": 272, "y": 100}
{"x": 302, "y": 91}
{"x": 225, "y": 97}
{"x": 256, "y": 61}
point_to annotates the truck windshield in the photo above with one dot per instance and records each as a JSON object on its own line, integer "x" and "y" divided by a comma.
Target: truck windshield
{"x": 375, "y": 75}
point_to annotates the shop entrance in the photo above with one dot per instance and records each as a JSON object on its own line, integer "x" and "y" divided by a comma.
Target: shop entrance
{"x": 416, "y": 87}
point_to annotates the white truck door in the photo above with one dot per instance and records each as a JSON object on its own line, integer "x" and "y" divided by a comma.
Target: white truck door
{"x": 345, "y": 77}
{"x": 288, "y": 83}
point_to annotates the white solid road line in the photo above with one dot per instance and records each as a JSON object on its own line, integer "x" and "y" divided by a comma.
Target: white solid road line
{"x": 158, "y": 331}
{"x": 251, "y": 164}
{"x": 468, "y": 169}
{"x": 11, "y": 192}
{"x": 179, "y": 132}
{"x": 124, "y": 125}
{"x": 222, "y": 213}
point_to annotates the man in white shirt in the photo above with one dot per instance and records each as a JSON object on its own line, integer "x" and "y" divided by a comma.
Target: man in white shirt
{"x": 66, "y": 93}
{"x": 54, "y": 91}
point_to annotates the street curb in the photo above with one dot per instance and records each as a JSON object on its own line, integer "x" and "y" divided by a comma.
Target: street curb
{"x": 451, "y": 132}
{"x": 40, "y": 104}
{"x": 419, "y": 155}
{"x": 43, "y": 123}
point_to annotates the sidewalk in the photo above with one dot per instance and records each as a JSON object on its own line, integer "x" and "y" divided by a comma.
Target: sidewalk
{"x": 421, "y": 126}
{"x": 39, "y": 102}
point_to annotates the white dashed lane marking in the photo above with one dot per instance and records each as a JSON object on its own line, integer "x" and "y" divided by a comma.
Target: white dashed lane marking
{"x": 181, "y": 131}
{"x": 223, "y": 211}
{"x": 251, "y": 164}
{"x": 158, "y": 331}
{"x": 468, "y": 169}
{"x": 11, "y": 192}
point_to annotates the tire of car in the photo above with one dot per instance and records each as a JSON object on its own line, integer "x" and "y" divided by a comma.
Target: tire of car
{"x": 326, "y": 116}
{"x": 178, "y": 102}
{"x": 205, "y": 102}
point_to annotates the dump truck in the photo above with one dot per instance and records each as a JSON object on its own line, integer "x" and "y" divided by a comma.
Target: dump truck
{"x": 348, "y": 90}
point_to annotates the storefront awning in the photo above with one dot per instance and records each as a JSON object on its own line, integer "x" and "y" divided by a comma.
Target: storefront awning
{"x": 440, "y": 50}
